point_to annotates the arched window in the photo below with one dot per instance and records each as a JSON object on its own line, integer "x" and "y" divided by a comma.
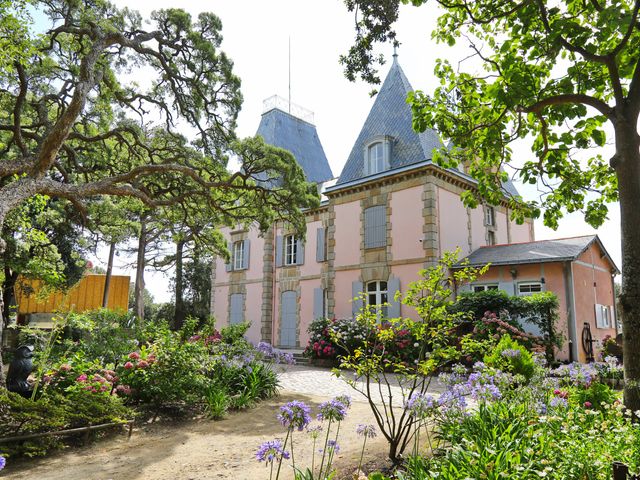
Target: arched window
{"x": 375, "y": 158}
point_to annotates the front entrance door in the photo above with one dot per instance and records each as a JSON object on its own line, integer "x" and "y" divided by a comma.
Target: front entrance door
{"x": 288, "y": 319}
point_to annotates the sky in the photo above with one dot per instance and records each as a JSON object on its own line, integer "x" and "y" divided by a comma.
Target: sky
{"x": 257, "y": 34}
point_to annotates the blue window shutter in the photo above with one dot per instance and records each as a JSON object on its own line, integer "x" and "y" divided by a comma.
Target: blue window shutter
{"x": 507, "y": 287}
{"x": 318, "y": 303}
{"x": 245, "y": 258}
{"x": 228, "y": 266}
{"x": 394, "y": 307}
{"x": 375, "y": 227}
{"x": 356, "y": 291}
{"x": 236, "y": 308}
{"x": 320, "y": 245}
{"x": 279, "y": 251}
{"x": 300, "y": 249}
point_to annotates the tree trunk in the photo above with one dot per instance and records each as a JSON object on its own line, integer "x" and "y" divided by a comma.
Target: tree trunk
{"x": 3, "y": 246}
{"x": 107, "y": 280}
{"x": 140, "y": 264}
{"x": 180, "y": 314}
{"x": 628, "y": 171}
{"x": 8, "y": 288}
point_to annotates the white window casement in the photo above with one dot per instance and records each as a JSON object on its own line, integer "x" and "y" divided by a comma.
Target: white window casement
{"x": 238, "y": 255}
{"x": 377, "y": 155}
{"x": 375, "y": 158}
{"x": 489, "y": 216}
{"x": 604, "y": 316}
{"x": 377, "y": 295}
{"x": 484, "y": 287}
{"x": 529, "y": 288}
{"x": 290, "y": 250}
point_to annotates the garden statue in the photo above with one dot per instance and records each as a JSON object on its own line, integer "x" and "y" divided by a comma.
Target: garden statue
{"x": 19, "y": 371}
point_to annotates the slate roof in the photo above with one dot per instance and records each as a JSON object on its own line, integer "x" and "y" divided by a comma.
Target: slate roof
{"x": 542, "y": 251}
{"x": 281, "y": 129}
{"x": 391, "y": 115}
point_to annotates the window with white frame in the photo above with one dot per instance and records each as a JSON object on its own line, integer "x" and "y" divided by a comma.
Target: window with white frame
{"x": 238, "y": 255}
{"x": 484, "y": 287}
{"x": 529, "y": 288}
{"x": 377, "y": 295}
{"x": 489, "y": 216}
{"x": 375, "y": 158}
{"x": 290, "y": 250}
{"x": 603, "y": 316}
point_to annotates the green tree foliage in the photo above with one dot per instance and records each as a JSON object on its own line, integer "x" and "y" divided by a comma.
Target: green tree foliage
{"x": 93, "y": 108}
{"x": 555, "y": 73}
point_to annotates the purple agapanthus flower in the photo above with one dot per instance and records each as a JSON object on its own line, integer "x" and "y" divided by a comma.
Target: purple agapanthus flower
{"x": 270, "y": 451}
{"x": 420, "y": 405}
{"x": 558, "y": 402}
{"x": 366, "y": 431}
{"x": 332, "y": 410}
{"x": 295, "y": 414}
{"x": 345, "y": 400}
{"x": 3, "y": 462}
{"x": 511, "y": 353}
{"x": 333, "y": 445}
{"x": 485, "y": 392}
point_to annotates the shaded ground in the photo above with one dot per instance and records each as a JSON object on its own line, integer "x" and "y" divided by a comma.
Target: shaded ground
{"x": 206, "y": 449}
{"x": 199, "y": 449}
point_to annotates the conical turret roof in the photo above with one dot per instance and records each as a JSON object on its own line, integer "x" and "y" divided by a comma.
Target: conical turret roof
{"x": 391, "y": 116}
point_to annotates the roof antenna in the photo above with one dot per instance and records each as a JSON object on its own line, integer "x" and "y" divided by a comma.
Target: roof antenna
{"x": 289, "y": 74}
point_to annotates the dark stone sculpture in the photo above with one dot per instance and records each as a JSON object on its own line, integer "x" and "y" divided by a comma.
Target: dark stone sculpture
{"x": 19, "y": 371}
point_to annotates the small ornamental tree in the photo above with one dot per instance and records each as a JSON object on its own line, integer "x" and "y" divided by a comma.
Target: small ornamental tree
{"x": 436, "y": 335}
{"x": 557, "y": 73}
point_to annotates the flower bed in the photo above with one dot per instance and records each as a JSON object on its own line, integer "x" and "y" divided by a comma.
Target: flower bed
{"x": 170, "y": 372}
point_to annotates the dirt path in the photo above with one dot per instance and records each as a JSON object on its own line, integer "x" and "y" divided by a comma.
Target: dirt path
{"x": 199, "y": 449}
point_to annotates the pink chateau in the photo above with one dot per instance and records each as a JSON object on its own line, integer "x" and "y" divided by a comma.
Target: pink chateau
{"x": 389, "y": 214}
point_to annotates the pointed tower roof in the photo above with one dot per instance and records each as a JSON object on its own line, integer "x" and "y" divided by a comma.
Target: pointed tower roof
{"x": 300, "y": 137}
{"x": 391, "y": 116}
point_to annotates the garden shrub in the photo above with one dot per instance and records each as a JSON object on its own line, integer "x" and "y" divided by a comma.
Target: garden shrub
{"x": 55, "y": 411}
{"x": 509, "y": 356}
{"x": 494, "y": 312}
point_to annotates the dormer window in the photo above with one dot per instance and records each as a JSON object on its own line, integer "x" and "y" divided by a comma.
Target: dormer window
{"x": 377, "y": 155}
{"x": 376, "y": 158}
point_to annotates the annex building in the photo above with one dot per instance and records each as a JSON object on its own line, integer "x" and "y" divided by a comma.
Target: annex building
{"x": 390, "y": 213}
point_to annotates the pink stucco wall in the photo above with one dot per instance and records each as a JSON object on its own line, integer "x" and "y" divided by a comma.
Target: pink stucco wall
{"x": 478, "y": 230}
{"x": 406, "y": 274}
{"x": 522, "y": 233}
{"x": 452, "y": 223}
{"x": 256, "y": 255}
{"x": 342, "y": 294}
{"x": 221, "y": 306}
{"x": 406, "y": 224}
{"x": 501, "y": 228}
{"x": 253, "y": 312}
{"x": 307, "y": 288}
{"x": 311, "y": 266}
{"x": 347, "y": 234}
{"x": 592, "y": 285}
